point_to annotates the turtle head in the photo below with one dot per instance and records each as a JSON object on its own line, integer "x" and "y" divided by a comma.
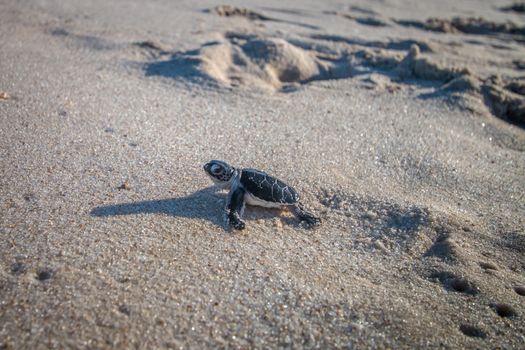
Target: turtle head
{"x": 220, "y": 172}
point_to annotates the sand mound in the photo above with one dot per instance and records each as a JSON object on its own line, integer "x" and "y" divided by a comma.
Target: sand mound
{"x": 250, "y": 61}
{"x": 260, "y": 63}
{"x": 282, "y": 61}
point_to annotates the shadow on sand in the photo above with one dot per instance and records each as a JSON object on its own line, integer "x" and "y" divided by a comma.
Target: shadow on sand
{"x": 198, "y": 205}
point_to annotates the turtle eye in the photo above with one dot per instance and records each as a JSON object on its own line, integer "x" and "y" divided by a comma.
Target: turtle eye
{"x": 215, "y": 169}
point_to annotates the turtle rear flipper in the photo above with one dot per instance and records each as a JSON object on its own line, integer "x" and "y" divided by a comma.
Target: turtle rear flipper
{"x": 309, "y": 218}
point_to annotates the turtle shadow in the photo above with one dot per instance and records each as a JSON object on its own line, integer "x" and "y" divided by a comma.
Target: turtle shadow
{"x": 204, "y": 204}
{"x": 201, "y": 204}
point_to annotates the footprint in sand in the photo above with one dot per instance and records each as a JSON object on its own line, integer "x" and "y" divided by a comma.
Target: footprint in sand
{"x": 472, "y": 331}
{"x": 18, "y": 268}
{"x": 504, "y": 310}
{"x": 44, "y": 274}
{"x": 445, "y": 248}
{"x": 455, "y": 283}
{"x": 520, "y": 290}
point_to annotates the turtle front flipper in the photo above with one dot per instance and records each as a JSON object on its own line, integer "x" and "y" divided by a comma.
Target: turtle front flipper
{"x": 303, "y": 215}
{"x": 235, "y": 208}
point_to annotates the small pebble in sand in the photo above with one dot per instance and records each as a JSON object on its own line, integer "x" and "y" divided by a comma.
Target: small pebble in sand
{"x": 124, "y": 186}
{"x": 124, "y": 309}
{"x": 4, "y": 95}
{"x": 520, "y": 290}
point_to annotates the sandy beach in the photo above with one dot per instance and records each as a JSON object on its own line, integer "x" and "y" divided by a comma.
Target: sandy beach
{"x": 401, "y": 124}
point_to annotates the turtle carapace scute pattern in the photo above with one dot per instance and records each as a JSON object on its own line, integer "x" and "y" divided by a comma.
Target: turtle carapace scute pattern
{"x": 254, "y": 187}
{"x": 268, "y": 188}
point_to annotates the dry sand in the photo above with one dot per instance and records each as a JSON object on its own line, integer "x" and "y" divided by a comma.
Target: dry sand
{"x": 401, "y": 123}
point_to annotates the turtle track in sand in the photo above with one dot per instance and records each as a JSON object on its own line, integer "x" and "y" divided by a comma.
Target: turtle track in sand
{"x": 389, "y": 227}
{"x": 453, "y": 256}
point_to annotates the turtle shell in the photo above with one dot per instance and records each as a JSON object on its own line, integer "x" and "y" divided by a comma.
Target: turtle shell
{"x": 267, "y": 188}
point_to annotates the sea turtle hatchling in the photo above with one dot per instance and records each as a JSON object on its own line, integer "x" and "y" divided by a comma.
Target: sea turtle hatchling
{"x": 254, "y": 187}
